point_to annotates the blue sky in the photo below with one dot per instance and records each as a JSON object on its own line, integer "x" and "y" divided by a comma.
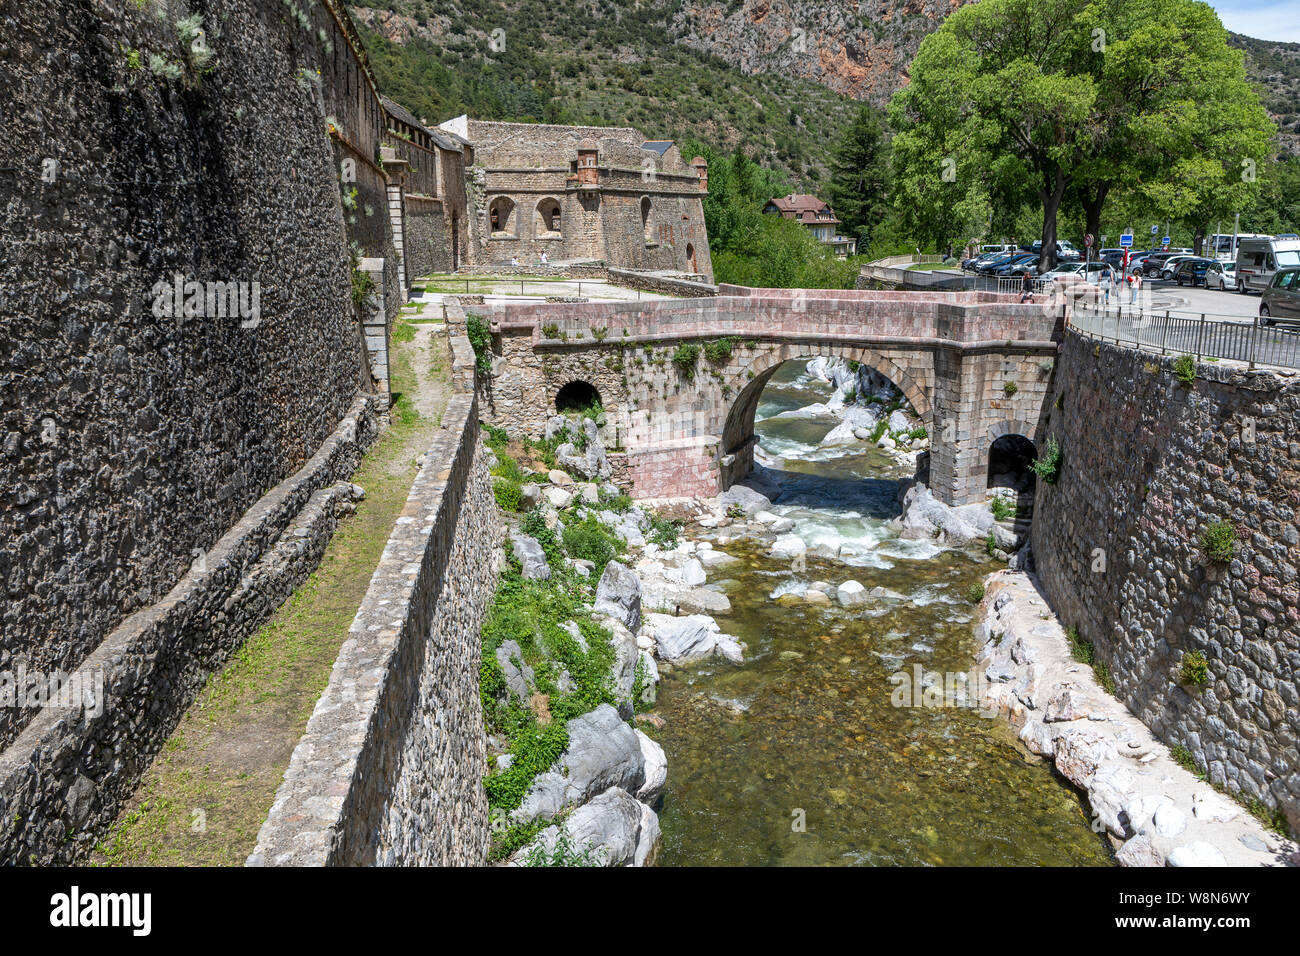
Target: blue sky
{"x": 1263, "y": 19}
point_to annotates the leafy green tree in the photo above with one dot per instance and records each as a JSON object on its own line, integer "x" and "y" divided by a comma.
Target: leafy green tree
{"x": 1054, "y": 99}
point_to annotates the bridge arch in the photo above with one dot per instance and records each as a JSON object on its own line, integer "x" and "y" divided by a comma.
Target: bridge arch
{"x": 737, "y": 447}
{"x": 1009, "y": 446}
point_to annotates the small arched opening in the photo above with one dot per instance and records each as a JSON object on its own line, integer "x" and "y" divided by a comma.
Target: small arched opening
{"x": 501, "y": 216}
{"x": 577, "y": 397}
{"x": 645, "y": 218}
{"x": 1010, "y": 459}
{"x": 547, "y": 221}
{"x": 690, "y": 257}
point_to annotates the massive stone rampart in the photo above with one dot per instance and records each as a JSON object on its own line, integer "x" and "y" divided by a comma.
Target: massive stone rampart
{"x": 1148, "y": 465}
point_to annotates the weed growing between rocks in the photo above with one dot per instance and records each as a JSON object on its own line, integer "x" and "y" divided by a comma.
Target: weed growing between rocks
{"x": 1047, "y": 465}
{"x": 1219, "y": 541}
{"x": 1083, "y": 652}
{"x": 1195, "y": 669}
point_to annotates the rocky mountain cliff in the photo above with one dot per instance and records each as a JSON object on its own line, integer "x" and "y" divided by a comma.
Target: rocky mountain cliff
{"x": 858, "y": 47}
{"x": 780, "y": 76}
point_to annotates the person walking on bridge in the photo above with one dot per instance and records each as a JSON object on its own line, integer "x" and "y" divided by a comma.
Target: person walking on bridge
{"x": 1026, "y": 288}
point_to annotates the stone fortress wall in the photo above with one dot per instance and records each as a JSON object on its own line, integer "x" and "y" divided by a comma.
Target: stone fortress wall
{"x": 169, "y": 478}
{"x": 1147, "y": 465}
{"x": 577, "y": 192}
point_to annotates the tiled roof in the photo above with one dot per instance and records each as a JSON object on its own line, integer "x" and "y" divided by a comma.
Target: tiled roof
{"x": 400, "y": 112}
{"x": 803, "y": 207}
{"x": 659, "y": 146}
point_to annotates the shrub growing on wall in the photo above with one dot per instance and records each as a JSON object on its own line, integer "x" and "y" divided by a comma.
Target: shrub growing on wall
{"x": 480, "y": 340}
{"x": 1048, "y": 464}
{"x": 685, "y": 357}
{"x": 1196, "y": 669}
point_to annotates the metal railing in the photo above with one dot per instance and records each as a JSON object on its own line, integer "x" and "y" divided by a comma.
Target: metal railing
{"x": 1203, "y": 336}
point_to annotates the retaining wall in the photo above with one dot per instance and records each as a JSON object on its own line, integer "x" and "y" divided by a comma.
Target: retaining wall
{"x": 389, "y": 771}
{"x": 1148, "y": 465}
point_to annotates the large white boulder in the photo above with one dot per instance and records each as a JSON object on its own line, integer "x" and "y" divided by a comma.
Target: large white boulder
{"x": 788, "y": 546}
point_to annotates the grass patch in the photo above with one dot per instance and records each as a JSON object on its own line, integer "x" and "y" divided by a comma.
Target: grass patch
{"x": 1185, "y": 370}
{"x": 1219, "y": 541}
{"x": 1195, "y": 669}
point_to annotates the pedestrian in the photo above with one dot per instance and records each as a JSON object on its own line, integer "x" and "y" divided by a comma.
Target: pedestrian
{"x": 542, "y": 258}
{"x": 1026, "y": 288}
{"x": 1134, "y": 284}
{"x": 1106, "y": 281}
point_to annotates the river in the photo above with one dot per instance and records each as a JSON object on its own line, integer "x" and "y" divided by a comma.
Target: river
{"x": 798, "y": 757}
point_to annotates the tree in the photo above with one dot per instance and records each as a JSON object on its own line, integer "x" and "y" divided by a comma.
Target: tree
{"x": 859, "y": 181}
{"x": 1051, "y": 99}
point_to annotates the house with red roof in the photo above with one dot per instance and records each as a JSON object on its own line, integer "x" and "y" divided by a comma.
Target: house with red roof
{"x": 817, "y": 216}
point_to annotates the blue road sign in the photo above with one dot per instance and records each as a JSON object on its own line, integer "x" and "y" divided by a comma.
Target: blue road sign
{"x": 1164, "y": 240}
{"x": 1126, "y": 241}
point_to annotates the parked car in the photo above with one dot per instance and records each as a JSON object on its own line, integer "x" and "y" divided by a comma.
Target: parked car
{"x": 1259, "y": 259}
{"x": 1114, "y": 256}
{"x": 1025, "y": 263}
{"x": 1153, "y": 262}
{"x": 991, "y": 266}
{"x": 1221, "y": 276}
{"x": 1191, "y": 270}
{"x": 973, "y": 264}
{"x": 1280, "y": 300}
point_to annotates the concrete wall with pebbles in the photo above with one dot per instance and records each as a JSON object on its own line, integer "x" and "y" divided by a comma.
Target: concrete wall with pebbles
{"x": 389, "y": 771}
{"x": 1148, "y": 464}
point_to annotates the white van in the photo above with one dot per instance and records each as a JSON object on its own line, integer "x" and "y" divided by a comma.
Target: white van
{"x": 1258, "y": 259}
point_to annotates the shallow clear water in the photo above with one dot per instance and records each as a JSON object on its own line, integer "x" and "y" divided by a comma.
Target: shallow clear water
{"x": 805, "y": 730}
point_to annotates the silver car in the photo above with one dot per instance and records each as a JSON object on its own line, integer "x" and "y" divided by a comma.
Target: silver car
{"x": 1221, "y": 276}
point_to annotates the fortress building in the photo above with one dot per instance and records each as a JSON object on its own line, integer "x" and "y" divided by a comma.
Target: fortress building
{"x": 582, "y": 193}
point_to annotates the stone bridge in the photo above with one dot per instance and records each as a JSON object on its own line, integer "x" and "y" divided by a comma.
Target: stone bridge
{"x": 973, "y": 365}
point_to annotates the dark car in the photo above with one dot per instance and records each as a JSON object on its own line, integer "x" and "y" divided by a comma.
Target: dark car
{"x": 990, "y": 266}
{"x": 1154, "y": 264}
{"x": 1280, "y": 299}
{"x": 1191, "y": 271}
{"x": 1019, "y": 266}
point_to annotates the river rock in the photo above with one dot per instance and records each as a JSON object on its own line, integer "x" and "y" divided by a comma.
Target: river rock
{"x": 1064, "y": 707}
{"x": 1139, "y": 852}
{"x": 814, "y": 596}
{"x": 530, "y": 495}
{"x": 788, "y": 546}
{"x": 716, "y": 559}
{"x": 1212, "y": 808}
{"x": 650, "y": 674}
{"x": 647, "y": 844}
{"x": 520, "y": 679}
{"x": 531, "y": 557}
{"x": 1199, "y": 853}
{"x": 693, "y": 573}
{"x": 606, "y": 831}
{"x": 1168, "y": 820}
{"x": 656, "y": 768}
{"x": 686, "y": 638}
{"x": 745, "y": 497}
{"x": 603, "y": 752}
{"x": 558, "y": 498}
{"x": 619, "y": 595}
{"x": 729, "y": 648}
{"x": 851, "y": 593}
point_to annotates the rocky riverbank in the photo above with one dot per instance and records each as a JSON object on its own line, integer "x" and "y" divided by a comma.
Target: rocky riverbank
{"x": 598, "y": 596}
{"x": 1155, "y": 810}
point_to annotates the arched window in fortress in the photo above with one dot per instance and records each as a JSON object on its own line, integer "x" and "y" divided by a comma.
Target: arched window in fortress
{"x": 501, "y": 216}
{"x": 690, "y": 257}
{"x": 547, "y": 222}
{"x": 645, "y": 218}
